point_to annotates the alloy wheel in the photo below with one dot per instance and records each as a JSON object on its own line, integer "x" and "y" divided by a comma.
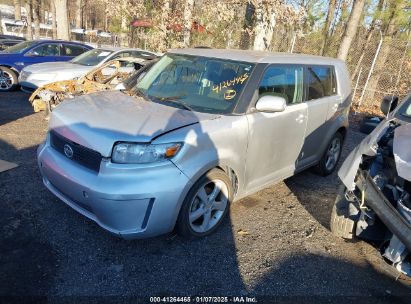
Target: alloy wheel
{"x": 333, "y": 154}
{"x": 6, "y": 80}
{"x": 208, "y": 206}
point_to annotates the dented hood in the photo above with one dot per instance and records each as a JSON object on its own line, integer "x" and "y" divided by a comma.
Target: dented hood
{"x": 99, "y": 120}
{"x": 369, "y": 146}
{"x": 57, "y": 67}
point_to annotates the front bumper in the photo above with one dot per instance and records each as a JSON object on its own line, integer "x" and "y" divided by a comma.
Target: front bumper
{"x": 127, "y": 200}
{"x": 388, "y": 214}
{"x": 31, "y": 86}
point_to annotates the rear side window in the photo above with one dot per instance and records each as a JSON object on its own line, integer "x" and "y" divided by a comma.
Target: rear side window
{"x": 320, "y": 82}
{"x": 284, "y": 81}
{"x": 73, "y": 50}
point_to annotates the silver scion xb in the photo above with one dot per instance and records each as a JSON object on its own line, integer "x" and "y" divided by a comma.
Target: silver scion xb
{"x": 203, "y": 128}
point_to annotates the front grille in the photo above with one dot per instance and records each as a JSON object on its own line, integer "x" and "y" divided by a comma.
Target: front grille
{"x": 82, "y": 155}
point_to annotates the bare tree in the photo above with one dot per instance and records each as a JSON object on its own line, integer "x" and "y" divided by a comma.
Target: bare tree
{"x": 188, "y": 16}
{"x": 367, "y": 38}
{"x": 326, "y": 29}
{"x": 29, "y": 9}
{"x": 36, "y": 18}
{"x": 62, "y": 19}
{"x": 53, "y": 19}
{"x": 351, "y": 29}
{"x": 264, "y": 24}
{"x": 17, "y": 9}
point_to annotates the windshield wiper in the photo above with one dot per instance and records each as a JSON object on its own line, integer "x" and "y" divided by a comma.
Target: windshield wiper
{"x": 173, "y": 99}
{"x": 140, "y": 93}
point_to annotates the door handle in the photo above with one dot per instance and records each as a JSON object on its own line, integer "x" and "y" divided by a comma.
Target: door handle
{"x": 300, "y": 118}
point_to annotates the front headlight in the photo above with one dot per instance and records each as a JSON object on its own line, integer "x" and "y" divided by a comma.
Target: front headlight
{"x": 42, "y": 76}
{"x": 130, "y": 153}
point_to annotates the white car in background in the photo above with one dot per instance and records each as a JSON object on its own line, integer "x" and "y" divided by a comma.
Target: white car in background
{"x": 38, "y": 75}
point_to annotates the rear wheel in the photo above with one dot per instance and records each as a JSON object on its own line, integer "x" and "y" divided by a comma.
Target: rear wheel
{"x": 8, "y": 79}
{"x": 331, "y": 156}
{"x": 206, "y": 205}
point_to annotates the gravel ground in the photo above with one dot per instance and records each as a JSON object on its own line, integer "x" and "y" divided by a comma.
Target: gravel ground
{"x": 275, "y": 243}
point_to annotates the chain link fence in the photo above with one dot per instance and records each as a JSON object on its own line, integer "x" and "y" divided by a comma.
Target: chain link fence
{"x": 379, "y": 66}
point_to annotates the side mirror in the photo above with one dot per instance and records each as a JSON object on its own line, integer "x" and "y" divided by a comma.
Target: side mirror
{"x": 388, "y": 104}
{"x": 271, "y": 104}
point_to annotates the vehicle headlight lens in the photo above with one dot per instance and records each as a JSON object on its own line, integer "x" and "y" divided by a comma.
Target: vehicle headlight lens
{"x": 43, "y": 76}
{"x": 130, "y": 153}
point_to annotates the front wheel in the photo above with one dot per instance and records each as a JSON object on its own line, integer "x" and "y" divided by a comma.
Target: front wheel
{"x": 331, "y": 156}
{"x": 8, "y": 79}
{"x": 205, "y": 205}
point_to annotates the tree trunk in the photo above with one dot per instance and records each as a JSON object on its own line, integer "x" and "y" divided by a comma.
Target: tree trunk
{"x": 264, "y": 25}
{"x": 36, "y": 18}
{"x": 124, "y": 23}
{"x": 188, "y": 16}
{"x": 17, "y": 9}
{"x": 326, "y": 29}
{"x": 79, "y": 4}
{"x": 351, "y": 29}
{"x": 29, "y": 9}
{"x": 53, "y": 20}
{"x": 246, "y": 34}
{"x": 165, "y": 13}
{"x": 62, "y": 19}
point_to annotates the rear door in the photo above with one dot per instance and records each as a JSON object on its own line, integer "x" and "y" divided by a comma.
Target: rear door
{"x": 275, "y": 139}
{"x": 320, "y": 94}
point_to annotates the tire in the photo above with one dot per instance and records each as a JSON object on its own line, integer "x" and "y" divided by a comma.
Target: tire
{"x": 326, "y": 166}
{"x": 341, "y": 223}
{"x": 8, "y": 80}
{"x": 199, "y": 216}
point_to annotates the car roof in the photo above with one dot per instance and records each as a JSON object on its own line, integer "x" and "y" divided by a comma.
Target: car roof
{"x": 118, "y": 49}
{"x": 60, "y": 40}
{"x": 257, "y": 56}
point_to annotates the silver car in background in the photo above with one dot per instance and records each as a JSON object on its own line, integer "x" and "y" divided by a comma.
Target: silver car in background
{"x": 205, "y": 127}
{"x": 38, "y": 75}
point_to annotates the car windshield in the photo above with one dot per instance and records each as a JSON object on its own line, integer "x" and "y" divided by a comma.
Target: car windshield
{"x": 20, "y": 47}
{"x": 92, "y": 57}
{"x": 196, "y": 83}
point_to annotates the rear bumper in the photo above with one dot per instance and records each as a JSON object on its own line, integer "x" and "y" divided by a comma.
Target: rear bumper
{"x": 127, "y": 201}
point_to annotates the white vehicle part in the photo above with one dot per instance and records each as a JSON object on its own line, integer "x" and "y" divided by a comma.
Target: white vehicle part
{"x": 402, "y": 151}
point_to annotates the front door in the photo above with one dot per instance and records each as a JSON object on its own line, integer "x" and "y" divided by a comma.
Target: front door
{"x": 275, "y": 139}
{"x": 46, "y": 52}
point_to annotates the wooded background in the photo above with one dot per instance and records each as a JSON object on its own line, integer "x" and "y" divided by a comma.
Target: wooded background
{"x": 373, "y": 36}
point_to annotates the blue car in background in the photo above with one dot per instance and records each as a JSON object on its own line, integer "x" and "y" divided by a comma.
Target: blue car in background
{"x": 15, "y": 58}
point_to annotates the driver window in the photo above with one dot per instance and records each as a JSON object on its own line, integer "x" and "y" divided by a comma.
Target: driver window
{"x": 283, "y": 81}
{"x": 47, "y": 50}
